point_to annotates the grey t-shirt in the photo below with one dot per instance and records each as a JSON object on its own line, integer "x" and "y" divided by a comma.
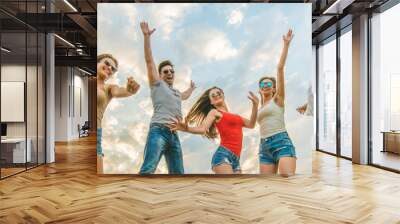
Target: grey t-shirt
{"x": 167, "y": 103}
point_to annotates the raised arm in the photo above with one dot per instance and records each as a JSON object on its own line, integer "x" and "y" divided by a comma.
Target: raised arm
{"x": 201, "y": 129}
{"x": 150, "y": 65}
{"x": 280, "y": 85}
{"x": 187, "y": 93}
{"x": 251, "y": 123}
{"x": 131, "y": 88}
{"x": 302, "y": 109}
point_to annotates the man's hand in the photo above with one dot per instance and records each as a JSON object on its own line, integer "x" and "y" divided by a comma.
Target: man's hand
{"x": 145, "y": 29}
{"x": 132, "y": 86}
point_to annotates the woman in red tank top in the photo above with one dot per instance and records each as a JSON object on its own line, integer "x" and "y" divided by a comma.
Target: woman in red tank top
{"x": 212, "y": 118}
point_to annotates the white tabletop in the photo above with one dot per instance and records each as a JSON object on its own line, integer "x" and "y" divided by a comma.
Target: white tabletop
{"x": 13, "y": 140}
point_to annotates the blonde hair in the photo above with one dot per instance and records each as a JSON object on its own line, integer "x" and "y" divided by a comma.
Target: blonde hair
{"x": 102, "y": 56}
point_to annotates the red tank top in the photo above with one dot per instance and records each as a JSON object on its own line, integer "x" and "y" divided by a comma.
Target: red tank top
{"x": 230, "y": 132}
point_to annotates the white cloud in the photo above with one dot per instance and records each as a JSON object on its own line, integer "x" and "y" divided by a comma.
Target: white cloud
{"x": 113, "y": 105}
{"x": 210, "y": 44}
{"x": 118, "y": 33}
{"x": 235, "y": 17}
{"x": 250, "y": 165}
{"x": 280, "y": 18}
{"x": 182, "y": 78}
{"x": 102, "y": 20}
{"x": 165, "y": 17}
{"x": 129, "y": 65}
{"x": 139, "y": 132}
{"x": 303, "y": 140}
{"x": 266, "y": 53}
{"x": 120, "y": 157}
{"x": 249, "y": 157}
{"x": 296, "y": 79}
{"x": 130, "y": 11}
{"x": 146, "y": 106}
{"x": 110, "y": 30}
{"x": 162, "y": 168}
{"x": 114, "y": 80}
{"x": 109, "y": 121}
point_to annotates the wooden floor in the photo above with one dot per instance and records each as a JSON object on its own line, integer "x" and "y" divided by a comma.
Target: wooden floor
{"x": 5, "y": 172}
{"x": 69, "y": 191}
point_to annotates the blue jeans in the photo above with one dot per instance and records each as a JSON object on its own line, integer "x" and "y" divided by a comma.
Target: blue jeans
{"x": 161, "y": 141}
{"x": 99, "y": 149}
{"x": 275, "y": 147}
{"x": 224, "y": 155}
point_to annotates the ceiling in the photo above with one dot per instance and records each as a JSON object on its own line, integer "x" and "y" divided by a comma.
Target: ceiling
{"x": 76, "y": 22}
{"x": 329, "y": 16}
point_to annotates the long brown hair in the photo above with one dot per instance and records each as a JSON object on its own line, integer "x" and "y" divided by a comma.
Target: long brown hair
{"x": 199, "y": 111}
{"x": 273, "y": 82}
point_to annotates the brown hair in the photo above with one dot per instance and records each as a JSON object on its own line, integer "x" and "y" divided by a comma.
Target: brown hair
{"x": 163, "y": 64}
{"x": 200, "y": 110}
{"x": 273, "y": 85}
{"x": 102, "y": 56}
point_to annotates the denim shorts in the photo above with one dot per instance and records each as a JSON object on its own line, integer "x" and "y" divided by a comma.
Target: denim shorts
{"x": 224, "y": 155}
{"x": 275, "y": 147}
{"x": 99, "y": 149}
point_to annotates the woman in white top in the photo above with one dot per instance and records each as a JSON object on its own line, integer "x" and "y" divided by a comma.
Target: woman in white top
{"x": 277, "y": 152}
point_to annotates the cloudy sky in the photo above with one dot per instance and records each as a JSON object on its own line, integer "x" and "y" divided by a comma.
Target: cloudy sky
{"x": 227, "y": 45}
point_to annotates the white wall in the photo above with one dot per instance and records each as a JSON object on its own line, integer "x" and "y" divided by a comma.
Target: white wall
{"x": 33, "y": 127}
{"x": 69, "y": 85}
{"x": 79, "y": 103}
{"x": 61, "y": 103}
{"x": 12, "y": 73}
{"x": 16, "y": 73}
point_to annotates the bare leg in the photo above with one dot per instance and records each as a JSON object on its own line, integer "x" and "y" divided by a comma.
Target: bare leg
{"x": 237, "y": 172}
{"x": 287, "y": 166}
{"x": 268, "y": 169}
{"x": 224, "y": 168}
{"x": 99, "y": 164}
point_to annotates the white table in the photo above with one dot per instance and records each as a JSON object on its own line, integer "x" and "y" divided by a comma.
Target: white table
{"x": 19, "y": 155}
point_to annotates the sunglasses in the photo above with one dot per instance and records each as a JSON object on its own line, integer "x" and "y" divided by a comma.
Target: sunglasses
{"x": 266, "y": 84}
{"x": 168, "y": 70}
{"x": 216, "y": 94}
{"x": 113, "y": 69}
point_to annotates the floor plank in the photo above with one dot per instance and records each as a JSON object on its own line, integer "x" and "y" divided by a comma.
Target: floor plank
{"x": 69, "y": 191}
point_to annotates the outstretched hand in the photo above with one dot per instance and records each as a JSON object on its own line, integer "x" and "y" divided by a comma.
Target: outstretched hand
{"x": 132, "y": 86}
{"x": 288, "y": 37}
{"x": 178, "y": 125}
{"x": 145, "y": 29}
{"x": 192, "y": 85}
{"x": 254, "y": 99}
{"x": 302, "y": 109}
